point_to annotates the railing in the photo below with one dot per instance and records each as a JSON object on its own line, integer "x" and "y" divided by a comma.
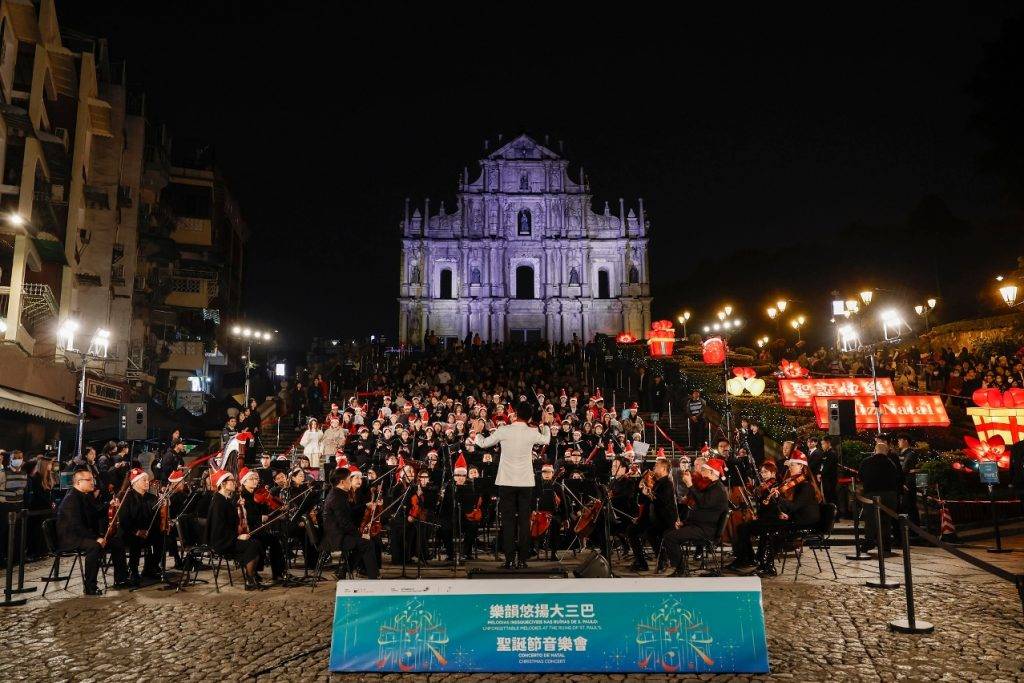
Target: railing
{"x": 39, "y": 304}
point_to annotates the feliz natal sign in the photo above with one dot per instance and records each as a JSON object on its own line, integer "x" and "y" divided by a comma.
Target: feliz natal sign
{"x": 896, "y": 411}
{"x": 800, "y": 393}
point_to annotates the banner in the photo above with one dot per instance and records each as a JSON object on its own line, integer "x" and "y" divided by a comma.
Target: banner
{"x": 658, "y": 625}
{"x": 896, "y": 411}
{"x": 800, "y": 393}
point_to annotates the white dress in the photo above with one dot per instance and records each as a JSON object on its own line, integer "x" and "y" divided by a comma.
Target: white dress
{"x": 312, "y": 446}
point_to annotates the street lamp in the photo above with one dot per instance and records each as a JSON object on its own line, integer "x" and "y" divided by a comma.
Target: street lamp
{"x": 797, "y": 323}
{"x": 728, "y": 310}
{"x": 849, "y": 338}
{"x": 721, "y": 315}
{"x": 99, "y": 345}
{"x": 892, "y": 320}
{"x": 781, "y": 305}
{"x": 682, "y": 321}
{"x": 249, "y": 335}
{"x": 1009, "y": 294}
{"x": 866, "y": 296}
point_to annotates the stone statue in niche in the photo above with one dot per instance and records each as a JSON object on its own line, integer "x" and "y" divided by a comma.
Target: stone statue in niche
{"x": 574, "y": 276}
{"x": 634, "y": 275}
{"x": 574, "y": 217}
{"x": 525, "y": 222}
{"x": 508, "y": 215}
{"x": 414, "y": 278}
{"x": 474, "y": 276}
{"x": 478, "y": 218}
{"x": 524, "y": 183}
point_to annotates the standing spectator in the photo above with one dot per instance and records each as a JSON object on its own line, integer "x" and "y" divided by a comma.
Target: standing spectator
{"x": 879, "y": 477}
{"x": 829, "y": 472}
{"x": 908, "y": 463}
{"x": 312, "y": 443}
{"x": 696, "y": 409}
{"x": 755, "y": 443}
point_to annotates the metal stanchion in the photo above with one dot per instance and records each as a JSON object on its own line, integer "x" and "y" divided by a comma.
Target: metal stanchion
{"x": 910, "y": 624}
{"x": 856, "y": 528}
{"x": 881, "y": 583}
{"x": 9, "y": 589}
{"x": 995, "y": 523}
{"x": 670, "y": 414}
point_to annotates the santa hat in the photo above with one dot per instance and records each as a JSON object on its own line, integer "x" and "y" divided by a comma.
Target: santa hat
{"x": 334, "y": 406}
{"x": 597, "y": 393}
{"x": 460, "y": 465}
{"x": 341, "y": 461}
{"x": 353, "y": 469}
{"x": 177, "y": 475}
{"x": 634, "y": 406}
{"x": 282, "y": 457}
{"x": 136, "y": 474}
{"x": 399, "y": 468}
{"x": 219, "y": 477}
{"x": 718, "y": 465}
{"x": 660, "y": 452}
{"x": 629, "y": 447}
{"x": 563, "y": 394}
{"x": 246, "y": 472}
{"x": 796, "y": 457}
{"x": 610, "y": 448}
{"x": 705, "y": 450}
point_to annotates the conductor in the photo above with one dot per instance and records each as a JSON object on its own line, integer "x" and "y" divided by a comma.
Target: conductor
{"x": 515, "y": 480}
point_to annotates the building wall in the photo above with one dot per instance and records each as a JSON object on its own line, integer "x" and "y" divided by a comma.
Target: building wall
{"x": 523, "y": 185}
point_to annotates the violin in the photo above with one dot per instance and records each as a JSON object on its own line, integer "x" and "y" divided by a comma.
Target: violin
{"x": 263, "y": 496}
{"x": 371, "y": 520}
{"x": 477, "y": 513}
{"x": 785, "y": 487}
{"x": 587, "y": 522}
{"x": 416, "y": 508}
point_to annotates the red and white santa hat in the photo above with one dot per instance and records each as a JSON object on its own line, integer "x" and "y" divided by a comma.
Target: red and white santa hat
{"x": 341, "y": 461}
{"x": 334, "y": 406}
{"x": 177, "y": 475}
{"x": 353, "y": 469}
{"x": 660, "y": 452}
{"x": 797, "y": 457}
{"x": 219, "y": 477}
{"x": 460, "y": 465}
{"x": 136, "y": 474}
{"x": 245, "y": 472}
{"x": 610, "y": 448}
{"x": 629, "y": 447}
{"x": 634, "y": 406}
{"x": 717, "y": 465}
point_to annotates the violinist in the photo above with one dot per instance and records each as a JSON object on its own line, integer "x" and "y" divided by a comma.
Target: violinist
{"x": 136, "y": 531}
{"x": 623, "y": 497}
{"x": 401, "y": 529}
{"x": 299, "y": 490}
{"x": 467, "y": 513}
{"x": 738, "y": 479}
{"x": 708, "y": 501}
{"x": 341, "y": 533}
{"x": 265, "y": 471}
{"x": 794, "y": 503}
{"x": 227, "y": 533}
{"x": 256, "y": 514}
{"x": 422, "y": 506}
{"x": 661, "y": 514}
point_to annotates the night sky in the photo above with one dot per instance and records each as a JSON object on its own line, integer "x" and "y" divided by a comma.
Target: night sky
{"x": 776, "y": 153}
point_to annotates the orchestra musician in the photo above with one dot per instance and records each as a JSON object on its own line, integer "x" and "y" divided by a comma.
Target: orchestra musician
{"x": 547, "y": 502}
{"x": 661, "y": 515}
{"x": 401, "y": 528}
{"x": 341, "y": 533}
{"x": 515, "y": 479}
{"x": 78, "y": 526}
{"x": 468, "y": 512}
{"x": 708, "y": 501}
{"x": 136, "y": 531}
{"x": 228, "y": 534}
{"x": 623, "y": 497}
{"x": 256, "y": 514}
{"x": 794, "y": 503}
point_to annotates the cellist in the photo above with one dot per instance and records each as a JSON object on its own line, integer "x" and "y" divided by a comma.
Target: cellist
{"x": 547, "y": 501}
{"x": 340, "y": 532}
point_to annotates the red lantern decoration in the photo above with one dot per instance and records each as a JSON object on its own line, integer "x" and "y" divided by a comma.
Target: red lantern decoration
{"x": 625, "y": 338}
{"x": 714, "y": 351}
{"x": 793, "y": 370}
{"x": 661, "y": 338}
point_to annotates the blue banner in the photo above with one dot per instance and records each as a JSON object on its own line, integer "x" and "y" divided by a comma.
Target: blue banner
{"x": 657, "y": 625}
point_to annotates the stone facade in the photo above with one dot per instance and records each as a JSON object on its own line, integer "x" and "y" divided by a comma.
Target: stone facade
{"x": 523, "y": 256}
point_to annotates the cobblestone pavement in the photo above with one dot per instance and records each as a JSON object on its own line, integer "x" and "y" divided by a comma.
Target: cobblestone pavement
{"x": 819, "y": 629}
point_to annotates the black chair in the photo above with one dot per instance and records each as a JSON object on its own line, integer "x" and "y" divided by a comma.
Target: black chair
{"x": 814, "y": 538}
{"x": 193, "y": 552}
{"x": 50, "y": 538}
{"x": 708, "y": 547}
{"x": 314, "y": 540}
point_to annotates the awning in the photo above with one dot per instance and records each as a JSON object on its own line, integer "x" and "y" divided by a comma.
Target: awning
{"x": 65, "y": 72}
{"x": 20, "y": 402}
{"x": 50, "y": 251}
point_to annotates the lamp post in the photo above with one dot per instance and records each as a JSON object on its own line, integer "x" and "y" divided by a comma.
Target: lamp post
{"x": 99, "y": 345}
{"x": 682, "y": 321}
{"x": 249, "y": 335}
{"x": 796, "y": 323}
{"x": 924, "y": 310}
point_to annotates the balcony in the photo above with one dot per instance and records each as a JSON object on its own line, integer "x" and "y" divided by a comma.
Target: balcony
{"x": 190, "y": 292}
{"x": 192, "y": 230}
{"x": 185, "y": 356}
{"x": 21, "y": 335}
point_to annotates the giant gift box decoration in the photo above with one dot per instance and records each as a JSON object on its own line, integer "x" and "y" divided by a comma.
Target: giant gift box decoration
{"x": 661, "y": 338}
{"x": 999, "y": 420}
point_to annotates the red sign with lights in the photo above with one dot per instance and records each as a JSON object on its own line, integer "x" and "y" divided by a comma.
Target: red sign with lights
{"x": 896, "y": 411}
{"x": 799, "y": 393}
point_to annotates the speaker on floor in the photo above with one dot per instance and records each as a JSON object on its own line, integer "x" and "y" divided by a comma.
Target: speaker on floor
{"x": 592, "y": 566}
{"x": 842, "y": 420}
{"x": 133, "y": 422}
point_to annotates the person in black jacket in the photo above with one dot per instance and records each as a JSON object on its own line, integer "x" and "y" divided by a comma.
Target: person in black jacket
{"x": 340, "y": 531}
{"x": 136, "y": 530}
{"x": 222, "y": 529}
{"x": 880, "y": 477}
{"x": 829, "y": 472}
{"x": 710, "y": 502}
{"x": 661, "y": 515}
{"x": 78, "y": 526}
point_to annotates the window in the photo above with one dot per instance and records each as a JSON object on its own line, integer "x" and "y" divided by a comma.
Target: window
{"x": 446, "y": 284}
{"x": 474, "y": 276}
{"x": 518, "y": 335}
{"x": 524, "y": 282}
{"x": 604, "y": 290}
{"x": 525, "y": 222}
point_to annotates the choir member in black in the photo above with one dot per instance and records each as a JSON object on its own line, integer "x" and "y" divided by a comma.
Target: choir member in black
{"x": 227, "y": 534}
{"x": 436, "y": 473}
{"x": 360, "y": 450}
{"x": 341, "y": 533}
{"x": 78, "y": 526}
{"x": 602, "y": 459}
{"x": 136, "y": 529}
{"x": 401, "y": 527}
{"x": 265, "y": 471}
{"x": 794, "y": 504}
{"x": 708, "y": 502}
{"x": 660, "y": 516}
{"x": 468, "y": 504}
{"x": 547, "y": 500}
{"x": 360, "y": 495}
{"x": 256, "y": 514}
